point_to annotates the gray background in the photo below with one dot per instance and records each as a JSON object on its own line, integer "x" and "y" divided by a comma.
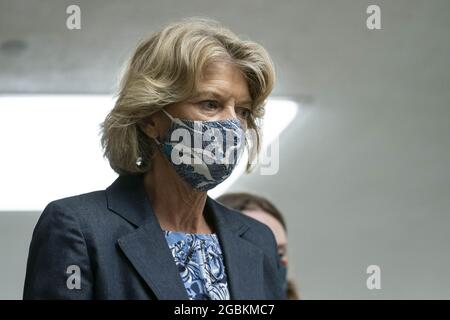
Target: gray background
{"x": 365, "y": 167}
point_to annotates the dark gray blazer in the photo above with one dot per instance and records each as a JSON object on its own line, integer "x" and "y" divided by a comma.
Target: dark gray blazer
{"x": 116, "y": 241}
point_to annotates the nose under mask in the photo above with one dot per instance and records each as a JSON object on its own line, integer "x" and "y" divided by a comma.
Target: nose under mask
{"x": 203, "y": 153}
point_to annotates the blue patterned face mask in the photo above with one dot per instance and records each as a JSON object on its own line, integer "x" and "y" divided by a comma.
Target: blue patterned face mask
{"x": 203, "y": 153}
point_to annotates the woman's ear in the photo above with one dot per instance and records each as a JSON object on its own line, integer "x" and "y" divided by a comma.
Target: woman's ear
{"x": 149, "y": 127}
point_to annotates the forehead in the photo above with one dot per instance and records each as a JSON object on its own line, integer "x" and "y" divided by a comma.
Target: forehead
{"x": 224, "y": 80}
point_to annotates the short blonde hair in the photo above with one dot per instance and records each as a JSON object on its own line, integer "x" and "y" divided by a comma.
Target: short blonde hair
{"x": 165, "y": 69}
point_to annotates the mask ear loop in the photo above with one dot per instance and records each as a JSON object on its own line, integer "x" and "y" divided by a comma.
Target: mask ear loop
{"x": 171, "y": 118}
{"x": 167, "y": 114}
{"x": 156, "y": 141}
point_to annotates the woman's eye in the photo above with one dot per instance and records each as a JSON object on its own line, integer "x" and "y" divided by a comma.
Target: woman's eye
{"x": 244, "y": 113}
{"x": 209, "y": 104}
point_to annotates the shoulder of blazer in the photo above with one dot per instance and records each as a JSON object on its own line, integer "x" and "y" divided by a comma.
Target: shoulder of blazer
{"x": 81, "y": 207}
{"x": 81, "y": 203}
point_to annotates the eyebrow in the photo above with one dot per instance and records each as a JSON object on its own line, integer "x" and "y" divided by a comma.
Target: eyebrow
{"x": 216, "y": 95}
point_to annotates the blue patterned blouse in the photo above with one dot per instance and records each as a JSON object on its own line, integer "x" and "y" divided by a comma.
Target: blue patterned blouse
{"x": 200, "y": 263}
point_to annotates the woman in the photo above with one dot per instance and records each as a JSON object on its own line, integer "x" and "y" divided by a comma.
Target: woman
{"x": 189, "y": 94}
{"x": 264, "y": 211}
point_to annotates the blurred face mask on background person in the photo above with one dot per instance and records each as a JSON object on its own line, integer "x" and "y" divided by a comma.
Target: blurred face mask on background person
{"x": 203, "y": 153}
{"x": 284, "y": 279}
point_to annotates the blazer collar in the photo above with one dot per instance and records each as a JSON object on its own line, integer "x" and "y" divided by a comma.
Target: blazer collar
{"x": 147, "y": 249}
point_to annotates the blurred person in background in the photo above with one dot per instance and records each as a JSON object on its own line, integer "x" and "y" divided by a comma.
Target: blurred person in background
{"x": 264, "y": 211}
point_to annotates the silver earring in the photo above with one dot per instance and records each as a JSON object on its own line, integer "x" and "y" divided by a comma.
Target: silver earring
{"x": 139, "y": 161}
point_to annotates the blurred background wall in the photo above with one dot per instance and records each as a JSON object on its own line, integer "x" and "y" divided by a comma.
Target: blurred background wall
{"x": 364, "y": 175}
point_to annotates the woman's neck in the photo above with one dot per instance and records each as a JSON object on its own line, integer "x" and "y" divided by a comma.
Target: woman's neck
{"x": 177, "y": 205}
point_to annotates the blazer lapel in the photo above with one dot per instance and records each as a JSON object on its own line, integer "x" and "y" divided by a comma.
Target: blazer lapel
{"x": 147, "y": 250}
{"x": 243, "y": 260}
{"x": 145, "y": 247}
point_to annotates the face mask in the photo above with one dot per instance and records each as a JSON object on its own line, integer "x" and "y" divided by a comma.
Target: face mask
{"x": 203, "y": 153}
{"x": 283, "y": 271}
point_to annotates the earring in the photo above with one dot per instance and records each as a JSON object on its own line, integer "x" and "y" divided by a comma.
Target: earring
{"x": 139, "y": 161}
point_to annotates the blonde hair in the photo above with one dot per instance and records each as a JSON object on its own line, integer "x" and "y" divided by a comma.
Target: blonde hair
{"x": 165, "y": 69}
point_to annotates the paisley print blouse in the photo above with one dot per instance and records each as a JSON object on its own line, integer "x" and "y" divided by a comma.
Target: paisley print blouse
{"x": 200, "y": 263}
